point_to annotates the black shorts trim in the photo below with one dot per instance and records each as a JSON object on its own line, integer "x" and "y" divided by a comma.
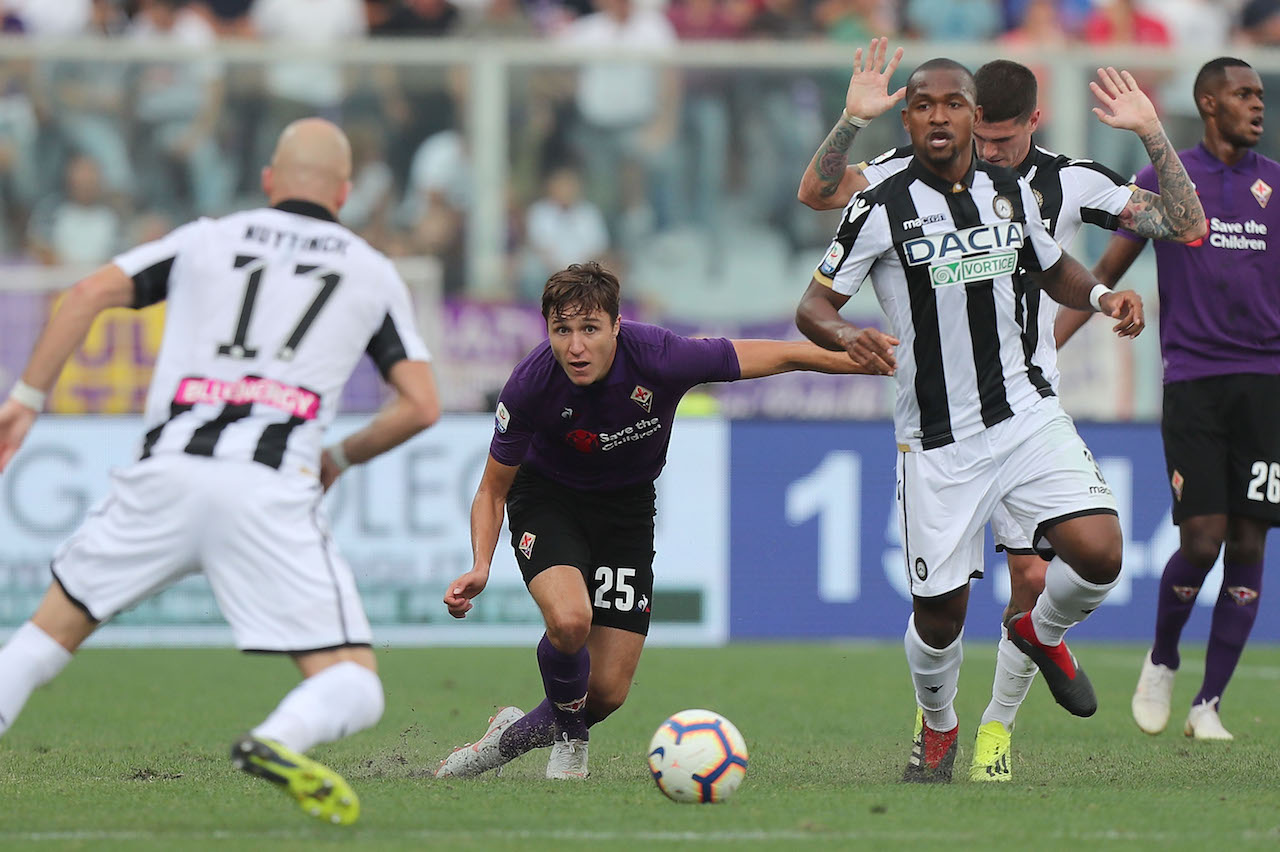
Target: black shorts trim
{"x": 1044, "y": 526}
{"x": 639, "y": 630}
{"x": 306, "y": 650}
{"x": 1018, "y": 551}
{"x": 946, "y": 596}
{"x": 75, "y": 600}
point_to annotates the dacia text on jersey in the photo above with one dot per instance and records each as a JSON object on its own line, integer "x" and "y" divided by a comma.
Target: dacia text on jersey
{"x": 641, "y": 430}
{"x": 979, "y": 253}
{"x": 298, "y": 242}
{"x": 1231, "y": 235}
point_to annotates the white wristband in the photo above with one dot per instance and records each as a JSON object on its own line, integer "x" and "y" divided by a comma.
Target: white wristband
{"x": 855, "y": 120}
{"x": 1096, "y": 294}
{"x": 24, "y": 394}
{"x": 339, "y": 456}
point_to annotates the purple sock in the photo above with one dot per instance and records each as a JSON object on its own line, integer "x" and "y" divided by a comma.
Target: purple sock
{"x": 1233, "y": 617}
{"x": 1179, "y": 585}
{"x": 564, "y": 677}
{"x": 535, "y": 729}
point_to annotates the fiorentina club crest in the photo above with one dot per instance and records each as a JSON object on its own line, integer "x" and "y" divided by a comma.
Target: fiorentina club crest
{"x": 526, "y": 544}
{"x": 1242, "y": 595}
{"x": 642, "y": 397}
{"x": 1186, "y": 593}
{"x": 1177, "y": 482}
{"x": 1261, "y": 192}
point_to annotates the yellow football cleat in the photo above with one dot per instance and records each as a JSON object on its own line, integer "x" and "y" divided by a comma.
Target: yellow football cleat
{"x": 322, "y": 793}
{"x": 991, "y": 753}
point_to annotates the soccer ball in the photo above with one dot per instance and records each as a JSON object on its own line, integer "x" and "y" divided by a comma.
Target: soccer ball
{"x": 697, "y": 756}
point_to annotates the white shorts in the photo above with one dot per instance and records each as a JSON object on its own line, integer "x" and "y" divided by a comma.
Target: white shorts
{"x": 260, "y": 537}
{"x": 1033, "y": 464}
{"x": 1008, "y": 535}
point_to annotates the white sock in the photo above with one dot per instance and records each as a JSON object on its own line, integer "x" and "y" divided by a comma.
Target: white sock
{"x": 337, "y": 702}
{"x": 935, "y": 673}
{"x": 1014, "y": 674}
{"x": 30, "y": 659}
{"x": 1067, "y": 600}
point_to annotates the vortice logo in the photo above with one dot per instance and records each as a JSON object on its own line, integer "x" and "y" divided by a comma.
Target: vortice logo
{"x": 973, "y": 269}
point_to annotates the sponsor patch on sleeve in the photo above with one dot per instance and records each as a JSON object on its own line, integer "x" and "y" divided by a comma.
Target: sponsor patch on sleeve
{"x": 502, "y": 419}
{"x": 831, "y": 261}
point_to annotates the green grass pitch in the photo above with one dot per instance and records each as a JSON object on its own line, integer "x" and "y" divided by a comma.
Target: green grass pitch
{"x": 127, "y": 750}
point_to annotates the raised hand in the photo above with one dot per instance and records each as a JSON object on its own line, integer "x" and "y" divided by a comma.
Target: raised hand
{"x": 868, "y": 94}
{"x": 1126, "y": 307}
{"x": 1127, "y": 107}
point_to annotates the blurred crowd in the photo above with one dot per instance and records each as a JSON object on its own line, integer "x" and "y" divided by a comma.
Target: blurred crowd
{"x": 639, "y": 165}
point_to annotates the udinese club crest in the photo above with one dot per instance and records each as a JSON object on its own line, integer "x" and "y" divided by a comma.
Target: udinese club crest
{"x": 1003, "y": 207}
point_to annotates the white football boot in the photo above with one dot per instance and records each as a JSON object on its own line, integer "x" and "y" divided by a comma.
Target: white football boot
{"x": 568, "y": 760}
{"x": 1153, "y": 696}
{"x": 472, "y": 759}
{"x": 1203, "y": 722}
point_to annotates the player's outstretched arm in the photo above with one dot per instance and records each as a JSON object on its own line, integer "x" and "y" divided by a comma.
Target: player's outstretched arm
{"x": 1175, "y": 213}
{"x": 1069, "y": 284}
{"x": 415, "y": 407}
{"x": 758, "y": 358}
{"x": 108, "y": 287}
{"x": 486, "y": 524}
{"x": 818, "y": 318}
{"x": 1115, "y": 262}
{"x": 829, "y": 181}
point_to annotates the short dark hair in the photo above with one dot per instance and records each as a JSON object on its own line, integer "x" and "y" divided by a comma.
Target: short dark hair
{"x": 1213, "y": 73}
{"x": 941, "y": 64}
{"x": 1006, "y": 90}
{"x": 581, "y": 288}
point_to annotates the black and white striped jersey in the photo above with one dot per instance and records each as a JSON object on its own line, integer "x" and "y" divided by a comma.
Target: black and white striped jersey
{"x": 943, "y": 259}
{"x": 1070, "y": 193}
{"x": 268, "y": 312}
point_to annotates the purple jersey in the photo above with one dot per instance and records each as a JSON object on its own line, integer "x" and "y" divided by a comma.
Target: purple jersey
{"x": 1220, "y": 297}
{"x": 613, "y": 433}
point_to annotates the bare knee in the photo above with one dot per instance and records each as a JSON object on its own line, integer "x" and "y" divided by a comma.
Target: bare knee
{"x": 603, "y": 699}
{"x": 313, "y": 662}
{"x": 62, "y": 619}
{"x": 568, "y": 628}
{"x": 1246, "y": 541}
{"x": 1201, "y": 539}
{"x": 1092, "y": 545}
{"x": 1026, "y": 581}
{"x": 939, "y": 621}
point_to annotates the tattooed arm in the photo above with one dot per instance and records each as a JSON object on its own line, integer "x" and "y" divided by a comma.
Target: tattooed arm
{"x": 1175, "y": 213}
{"x": 830, "y": 181}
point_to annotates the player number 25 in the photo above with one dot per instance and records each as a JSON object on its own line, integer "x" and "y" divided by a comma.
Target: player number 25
{"x": 615, "y": 579}
{"x": 1270, "y": 474}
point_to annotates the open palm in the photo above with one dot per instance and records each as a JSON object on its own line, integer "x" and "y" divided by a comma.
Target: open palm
{"x": 1130, "y": 108}
{"x": 868, "y": 94}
